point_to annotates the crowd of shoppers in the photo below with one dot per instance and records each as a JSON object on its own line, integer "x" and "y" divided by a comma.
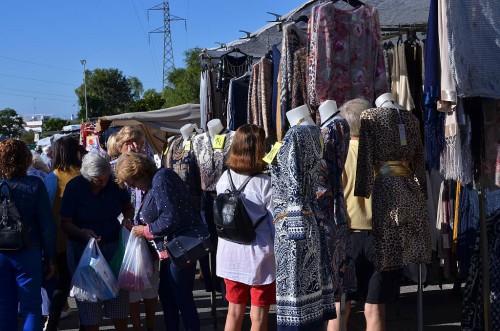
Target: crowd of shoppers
{"x": 97, "y": 195}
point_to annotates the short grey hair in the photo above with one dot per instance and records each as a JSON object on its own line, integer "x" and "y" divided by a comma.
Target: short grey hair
{"x": 351, "y": 111}
{"x": 95, "y": 164}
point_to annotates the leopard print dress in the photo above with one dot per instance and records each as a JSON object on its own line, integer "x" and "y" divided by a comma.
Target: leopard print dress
{"x": 400, "y": 225}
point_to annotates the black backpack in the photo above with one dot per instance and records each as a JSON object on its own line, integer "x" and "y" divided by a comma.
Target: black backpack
{"x": 230, "y": 216}
{"x": 13, "y": 234}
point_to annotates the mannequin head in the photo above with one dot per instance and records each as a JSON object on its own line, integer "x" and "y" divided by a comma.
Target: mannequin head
{"x": 387, "y": 100}
{"x": 186, "y": 130}
{"x": 299, "y": 116}
{"x": 326, "y": 110}
{"x": 214, "y": 127}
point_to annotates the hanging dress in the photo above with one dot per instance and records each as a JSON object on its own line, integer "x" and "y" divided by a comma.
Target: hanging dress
{"x": 183, "y": 162}
{"x": 304, "y": 276}
{"x": 348, "y": 56}
{"x": 400, "y": 224}
{"x": 336, "y": 137}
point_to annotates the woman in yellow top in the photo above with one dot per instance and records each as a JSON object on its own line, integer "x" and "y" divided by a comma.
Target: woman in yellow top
{"x": 67, "y": 161}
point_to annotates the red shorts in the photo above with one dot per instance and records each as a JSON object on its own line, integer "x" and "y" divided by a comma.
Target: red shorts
{"x": 261, "y": 295}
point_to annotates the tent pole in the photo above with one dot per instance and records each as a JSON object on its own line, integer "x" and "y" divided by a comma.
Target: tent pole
{"x": 420, "y": 314}
{"x": 342, "y": 312}
{"x": 484, "y": 258}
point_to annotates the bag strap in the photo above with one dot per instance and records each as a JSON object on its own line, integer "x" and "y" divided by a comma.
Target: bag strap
{"x": 242, "y": 187}
{"x": 9, "y": 189}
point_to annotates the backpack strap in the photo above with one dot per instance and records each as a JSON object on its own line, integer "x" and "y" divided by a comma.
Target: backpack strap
{"x": 9, "y": 189}
{"x": 242, "y": 187}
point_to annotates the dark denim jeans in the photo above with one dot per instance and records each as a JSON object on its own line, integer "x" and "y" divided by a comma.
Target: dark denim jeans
{"x": 176, "y": 296}
{"x": 20, "y": 284}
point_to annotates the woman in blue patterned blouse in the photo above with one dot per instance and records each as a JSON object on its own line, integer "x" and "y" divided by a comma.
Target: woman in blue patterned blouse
{"x": 166, "y": 207}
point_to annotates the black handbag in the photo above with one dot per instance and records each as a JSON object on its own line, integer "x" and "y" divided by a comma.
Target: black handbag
{"x": 188, "y": 245}
{"x": 13, "y": 235}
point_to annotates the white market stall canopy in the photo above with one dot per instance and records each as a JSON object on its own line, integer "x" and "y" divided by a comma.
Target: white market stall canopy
{"x": 155, "y": 123}
{"x": 392, "y": 13}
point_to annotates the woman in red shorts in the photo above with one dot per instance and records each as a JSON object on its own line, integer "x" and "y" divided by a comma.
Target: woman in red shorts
{"x": 249, "y": 271}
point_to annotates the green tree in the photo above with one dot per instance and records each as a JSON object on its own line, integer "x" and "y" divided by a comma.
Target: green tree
{"x": 11, "y": 124}
{"x": 184, "y": 83}
{"x": 109, "y": 92}
{"x": 54, "y": 124}
{"x": 151, "y": 100}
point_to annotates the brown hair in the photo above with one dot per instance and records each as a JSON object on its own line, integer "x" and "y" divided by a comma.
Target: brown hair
{"x": 128, "y": 133}
{"x": 66, "y": 154}
{"x": 15, "y": 158}
{"x": 132, "y": 165}
{"x": 247, "y": 150}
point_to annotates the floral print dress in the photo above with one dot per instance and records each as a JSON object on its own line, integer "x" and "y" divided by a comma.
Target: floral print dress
{"x": 346, "y": 58}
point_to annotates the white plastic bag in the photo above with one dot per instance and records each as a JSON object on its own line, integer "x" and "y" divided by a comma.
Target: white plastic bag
{"x": 93, "y": 279}
{"x": 137, "y": 266}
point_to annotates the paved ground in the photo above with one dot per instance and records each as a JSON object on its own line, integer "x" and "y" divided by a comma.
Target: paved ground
{"x": 442, "y": 310}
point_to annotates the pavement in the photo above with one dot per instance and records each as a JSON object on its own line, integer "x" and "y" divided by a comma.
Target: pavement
{"x": 441, "y": 310}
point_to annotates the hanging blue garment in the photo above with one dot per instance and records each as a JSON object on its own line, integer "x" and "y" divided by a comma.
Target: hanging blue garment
{"x": 434, "y": 120}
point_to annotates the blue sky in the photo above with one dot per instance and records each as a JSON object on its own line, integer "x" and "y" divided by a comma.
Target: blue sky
{"x": 42, "y": 43}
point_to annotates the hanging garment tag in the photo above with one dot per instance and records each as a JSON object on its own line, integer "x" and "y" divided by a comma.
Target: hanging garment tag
{"x": 402, "y": 134}
{"x": 272, "y": 153}
{"x": 446, "y": 241}
{"x": 166, "y": 151}
{"x": 187, "y": 146}
{"x": 450, "y": 125}
{"x": 219, "y": 141}
{"x": 450, "y": 130}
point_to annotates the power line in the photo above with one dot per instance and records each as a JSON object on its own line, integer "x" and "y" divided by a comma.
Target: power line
{"x": 38, "y": 80}
{"x": 153, "y": 60}
{"x": 38, "y": 64}
{"x": 32, "y": 97}
{"x": 57, "y": 95}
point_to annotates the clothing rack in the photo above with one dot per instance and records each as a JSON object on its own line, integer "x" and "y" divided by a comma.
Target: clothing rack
{"x": 391, "y": 31}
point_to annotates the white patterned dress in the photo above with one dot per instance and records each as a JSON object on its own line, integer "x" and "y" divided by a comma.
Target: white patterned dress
{"x": 304, "y": 275}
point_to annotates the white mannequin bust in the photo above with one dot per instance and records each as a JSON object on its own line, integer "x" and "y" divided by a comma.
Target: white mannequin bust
{"x": 387, "y": 100}
{"x": 186, "y": 130}
{"x": 299, "y": 116}
{"x": 328, "y": 111}
{"x": 214, "y": 127}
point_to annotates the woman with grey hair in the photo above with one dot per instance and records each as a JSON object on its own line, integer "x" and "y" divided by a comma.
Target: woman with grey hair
{"x": 90, "y": 208}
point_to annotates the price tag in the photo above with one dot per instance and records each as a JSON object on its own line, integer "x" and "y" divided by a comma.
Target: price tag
{"x": 219, "y": 141}
{"x": 272, "y": 154}
{"x": 187, "y": 146}
{"x": 402, "y": 134}
{"x": 166, "y": 151}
